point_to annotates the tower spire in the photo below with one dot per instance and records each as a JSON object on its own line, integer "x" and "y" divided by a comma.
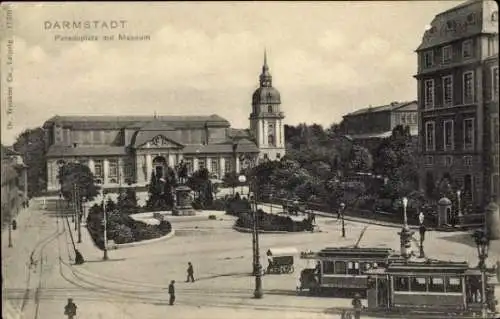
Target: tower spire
{"x": 265, "y": 76}
{"x": 265, "y": 67}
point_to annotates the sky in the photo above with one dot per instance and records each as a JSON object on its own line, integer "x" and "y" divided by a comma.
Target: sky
{"x": 326, "y": 58}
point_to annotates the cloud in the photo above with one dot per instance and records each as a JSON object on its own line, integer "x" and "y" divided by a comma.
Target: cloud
{"x": 206, "y": 58}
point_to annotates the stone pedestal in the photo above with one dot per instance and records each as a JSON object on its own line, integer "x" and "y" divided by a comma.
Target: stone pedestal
{"x": 405, "y": 236}
{"x": 444, "y": 211}
{"x": 183, "y": 202}
{"x": 492, "y": 220}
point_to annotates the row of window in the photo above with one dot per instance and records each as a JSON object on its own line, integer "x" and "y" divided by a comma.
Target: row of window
{"x": 408, "y": 118}
{"x": 447, "y": 54}
{"x": 214, "y": 164}
{"x": 449, "y": 135}
{"x": 427, "y": 284}
{"x": 468, "y": 94}
{"x": 346, "y": 267}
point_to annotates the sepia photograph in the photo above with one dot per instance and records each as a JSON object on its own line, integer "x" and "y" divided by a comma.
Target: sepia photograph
{"x": 250, "y": 159}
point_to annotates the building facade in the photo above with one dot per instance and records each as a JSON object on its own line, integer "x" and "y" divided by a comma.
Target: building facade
{"x": 123, "y": 150}
{"x": 458, "y": 102}
{"x": 369, "y": 126}
{"x": 14, "y": 184}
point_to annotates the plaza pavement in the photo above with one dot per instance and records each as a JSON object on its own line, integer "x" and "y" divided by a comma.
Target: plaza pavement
{"x": 132, "y": 284}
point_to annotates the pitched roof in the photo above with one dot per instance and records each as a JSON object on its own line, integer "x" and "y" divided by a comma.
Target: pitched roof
{"x": 382, "y": 108}
{"x": 135, "y": 122}
{"x": 244, "y": 146}
{"x": 7, "y": 151}
{"x": 68, "y": 151}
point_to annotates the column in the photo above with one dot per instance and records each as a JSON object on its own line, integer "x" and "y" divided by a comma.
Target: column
{"x": 180, "y": 156}
{"x": 237, "y": 164}
{"x": 121, "y": 173}
{"x": 139, "y": 178}
{"x": 149, "y": 166}
{"x": 91, "y": 165}
{"x": 281, "y": 136}
{"x": 208, "y": 164}
{"x": 222, "y": 164}
{"x": 265, "y": 132}
{"x": 106, "y": 171}
{"x": 195, "y": 164}
{"x": 171, "y": 160}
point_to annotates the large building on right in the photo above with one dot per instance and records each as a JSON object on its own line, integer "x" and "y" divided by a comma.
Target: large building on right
{"x": 458, "y": 102}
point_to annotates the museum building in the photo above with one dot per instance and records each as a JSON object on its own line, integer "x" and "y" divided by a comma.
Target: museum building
{"x": 123, "y": 150}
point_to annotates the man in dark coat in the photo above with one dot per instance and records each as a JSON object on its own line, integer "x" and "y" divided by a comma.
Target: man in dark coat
{"x": 356, "y": 304}
{"x": 70, "y": 309}
{"x": 171, "y": 292}
{"x": 190, "y": 272}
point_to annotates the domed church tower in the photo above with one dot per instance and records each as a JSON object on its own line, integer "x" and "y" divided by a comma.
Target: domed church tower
{"x": 266, "y": 119}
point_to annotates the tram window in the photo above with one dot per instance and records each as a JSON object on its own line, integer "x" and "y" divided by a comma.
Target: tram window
{"x": 401, "y": 284}
{"x": 453, "y": 284}
{"x": 353, "y": 268}
{"x": 340, "y": 267}
{"x": 328, "y": 267}
{"x": 418, "y": 284}
{"x": 436, "y": 284}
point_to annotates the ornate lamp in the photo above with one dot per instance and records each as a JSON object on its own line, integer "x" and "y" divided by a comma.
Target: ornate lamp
{"x": 242, "y": 179}
{"x": 482, "y": 242}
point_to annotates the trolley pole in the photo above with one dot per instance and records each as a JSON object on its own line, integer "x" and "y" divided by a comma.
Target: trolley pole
{"x": 78, "y": 218}
{"x": 258, "y": 277}
{"x": 105, "y": 256}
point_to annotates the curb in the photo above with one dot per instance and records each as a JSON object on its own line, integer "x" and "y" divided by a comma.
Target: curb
{"x": 146, "y": 242}
{"x": 248, "y": 230}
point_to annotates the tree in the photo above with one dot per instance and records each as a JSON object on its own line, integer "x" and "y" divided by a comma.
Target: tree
{"x": 75, "y": 175}
{"x": 31, "y": 144}
{"x": 395, "y": 159}
{"x": 153, "y": 192}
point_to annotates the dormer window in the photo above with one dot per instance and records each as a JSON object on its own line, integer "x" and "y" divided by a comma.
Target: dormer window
{"x": 471, "y": 18}
{"x": 494, "y": 16}
{"x": 428, "y": 59}
{"x": 450, "y": 25}
{"x": 447, "y": 54}
{"x": 467, "y": 49}
{"x": 270, "y": 109}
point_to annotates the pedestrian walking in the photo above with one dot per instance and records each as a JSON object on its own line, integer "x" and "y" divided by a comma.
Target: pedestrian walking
{"x": 171, "y": 292}
{"x": 70, "y": 309}
{"x": 356, "y": 304}
{"x": 190, "y": 273}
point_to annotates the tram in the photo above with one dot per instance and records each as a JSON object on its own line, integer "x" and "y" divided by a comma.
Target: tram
{"x": 416, "y": 285}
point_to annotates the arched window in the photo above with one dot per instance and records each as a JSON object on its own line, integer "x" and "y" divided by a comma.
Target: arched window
{"x": 270, "y": 139}
{"x": 269, "y": 109}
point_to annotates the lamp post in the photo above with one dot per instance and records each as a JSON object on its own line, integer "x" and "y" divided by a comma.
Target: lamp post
{"x": 10, "y": 224}
{"x": 482, "y": 243}
{"x": 105, "y": 223}
{"x": 342, "y": 208}
{"x": 405, "y": 234}
{"x": 235, "y": 146}
{"x": 459, "y": 209}
{"x": 242, "y": 179}
{"x": 258, "y": 278}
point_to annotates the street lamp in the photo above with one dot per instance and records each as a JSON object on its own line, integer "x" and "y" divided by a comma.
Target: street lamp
{"x": 460, "y": 216}
{"x": 342, "y": 208}
{"x": 405, "y": 234}
{"x": 235, "y": 146}
{"x": 482, "y": 242}
{"x": 258, "y": 278}
{"x": 105, "y": 223}
{"x": 242, "y": 179}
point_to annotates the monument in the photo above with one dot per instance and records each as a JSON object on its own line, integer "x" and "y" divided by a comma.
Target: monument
{"x": 183, "y": 205}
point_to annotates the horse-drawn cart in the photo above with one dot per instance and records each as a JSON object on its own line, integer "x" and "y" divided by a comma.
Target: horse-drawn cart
{"x": 280, "y": 260}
